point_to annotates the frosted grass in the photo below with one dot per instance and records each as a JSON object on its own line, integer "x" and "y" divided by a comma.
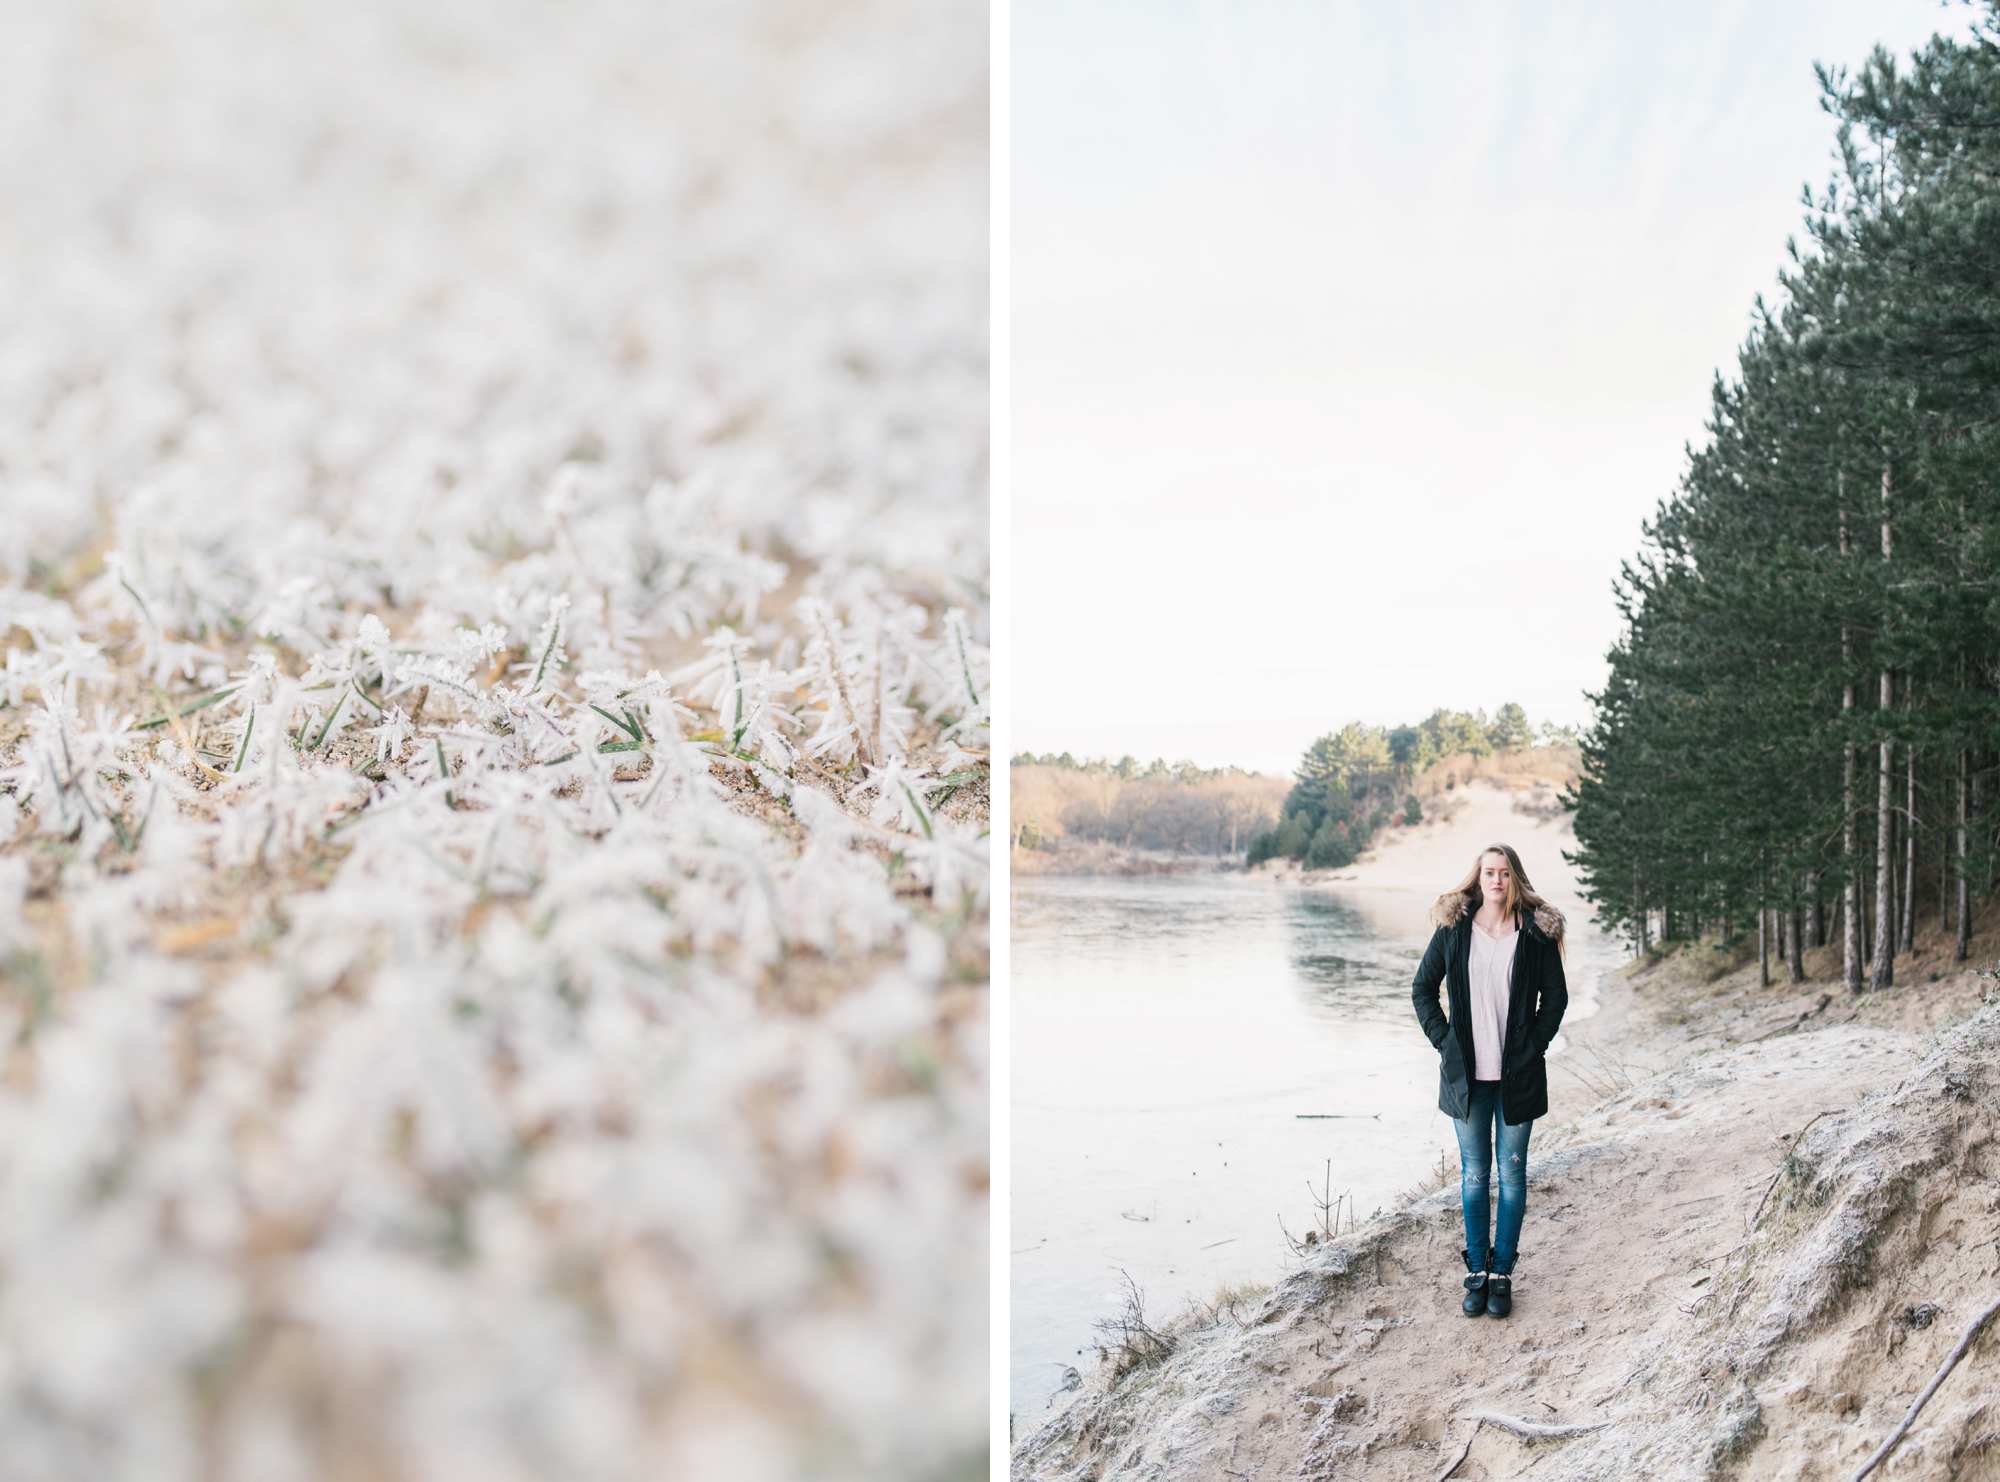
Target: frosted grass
{"x": 494, "y": 715}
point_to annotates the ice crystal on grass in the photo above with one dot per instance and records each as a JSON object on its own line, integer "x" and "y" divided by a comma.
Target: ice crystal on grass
{"x": 493, "y": 730}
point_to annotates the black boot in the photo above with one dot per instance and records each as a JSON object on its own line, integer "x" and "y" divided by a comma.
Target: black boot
{"x": 1499, "y": 1289}
{"x": 1475, "y": 1287}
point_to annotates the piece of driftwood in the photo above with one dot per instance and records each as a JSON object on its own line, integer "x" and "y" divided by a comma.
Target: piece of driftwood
{"x": 1951, "y": 1362}
{"x": 1533, "y": 1430}
{"x": 1527, "y": 1430}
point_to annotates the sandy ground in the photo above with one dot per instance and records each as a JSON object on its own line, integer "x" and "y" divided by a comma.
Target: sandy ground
{"x": 1709, "y": 1328}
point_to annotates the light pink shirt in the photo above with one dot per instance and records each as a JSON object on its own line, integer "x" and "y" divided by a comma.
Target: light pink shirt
{"x": 1490, "y": 969}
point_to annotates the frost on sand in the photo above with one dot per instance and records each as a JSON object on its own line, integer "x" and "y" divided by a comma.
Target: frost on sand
{"x": 493, "y": 743}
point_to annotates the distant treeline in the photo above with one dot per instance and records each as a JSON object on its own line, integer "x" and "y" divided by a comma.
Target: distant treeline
{"x": 1799, "y": 727}
{"x": 1349, "y": 784}
{"x": 1180, "y": 808}
{"x": 1353, "y": 783}
{"x": 1130, "y": 769}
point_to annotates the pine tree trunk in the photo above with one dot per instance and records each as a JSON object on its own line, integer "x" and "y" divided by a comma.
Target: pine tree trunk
{"x": 1973, "y": 812}
{"x": 1944, "y": 881}
{"x": 1816, "y": 916}
{"x": 1882, "y": 971}
{"x": 1979, "y": 811}
{"x": 1763, "y": 946}
{"x": 1909, "y": 842}
{"x": 1866, "y": 927}
{"x": 1850, "y": 895}
{"x": 1795, "y": 961}
{"x": 1882, "y": 965}
{"x": 1963, "y": 944}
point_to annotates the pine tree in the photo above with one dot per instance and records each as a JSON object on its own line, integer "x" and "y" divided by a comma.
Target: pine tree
{"x": 1765, "y": 645}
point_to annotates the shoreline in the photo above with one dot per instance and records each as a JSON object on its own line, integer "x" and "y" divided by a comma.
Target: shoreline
{"x": 1109, "y": 861}
{"x": 1739, "y": 1253}
{"x": 1395, "y": 860}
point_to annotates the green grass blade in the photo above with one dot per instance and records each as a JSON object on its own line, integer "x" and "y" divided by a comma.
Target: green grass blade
{"x": 922, "y": 817}
{"x": 249, "y": 729}
{"x": 214, "y": 697}
{"x": 332, "y": 715}
{"x": 629, "y": 726}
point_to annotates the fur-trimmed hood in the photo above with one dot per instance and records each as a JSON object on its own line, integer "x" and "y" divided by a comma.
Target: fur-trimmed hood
{"x": 1450, "y": 908}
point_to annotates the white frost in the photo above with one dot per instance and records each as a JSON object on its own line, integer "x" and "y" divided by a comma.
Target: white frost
{"x": 494, "y": 724}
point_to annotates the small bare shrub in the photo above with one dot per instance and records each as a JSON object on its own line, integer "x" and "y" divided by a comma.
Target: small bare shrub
{"x": 1126, "y": 1340}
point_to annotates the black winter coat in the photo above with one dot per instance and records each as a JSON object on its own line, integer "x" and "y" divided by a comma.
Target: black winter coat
{"x": 1537, "y": 996}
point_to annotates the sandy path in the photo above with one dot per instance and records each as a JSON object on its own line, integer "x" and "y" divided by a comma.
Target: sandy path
{"x": 1361, "y": 1376}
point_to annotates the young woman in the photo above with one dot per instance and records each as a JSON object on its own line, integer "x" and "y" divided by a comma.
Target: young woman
{"x": 1498, "y": 949}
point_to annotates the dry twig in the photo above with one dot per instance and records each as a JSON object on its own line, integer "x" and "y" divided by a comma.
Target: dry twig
{"x": 1129, "y": 1340}
{"x": 1951, "y": 1362}
{"x": 1794, "y": 1023}
{"x": 1328, "y": 1204}
{"x": 1783, "y": 1163}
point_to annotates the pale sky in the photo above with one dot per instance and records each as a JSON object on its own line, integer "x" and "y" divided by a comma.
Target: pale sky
{"x": 1354, "y": 342}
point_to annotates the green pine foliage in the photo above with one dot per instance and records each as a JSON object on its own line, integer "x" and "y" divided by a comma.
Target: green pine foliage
{"x": 1353, "y": 783}
{"x": 1801, "y": 711}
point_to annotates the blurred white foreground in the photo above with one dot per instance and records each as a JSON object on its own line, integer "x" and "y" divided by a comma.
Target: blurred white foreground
{"x": 493, "y": 742}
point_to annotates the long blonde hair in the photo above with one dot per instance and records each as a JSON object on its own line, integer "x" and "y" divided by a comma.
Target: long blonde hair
{"x": 1521, "y": 895}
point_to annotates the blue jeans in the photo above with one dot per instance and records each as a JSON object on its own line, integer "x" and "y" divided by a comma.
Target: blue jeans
{"x": 1475, "y": 1167}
